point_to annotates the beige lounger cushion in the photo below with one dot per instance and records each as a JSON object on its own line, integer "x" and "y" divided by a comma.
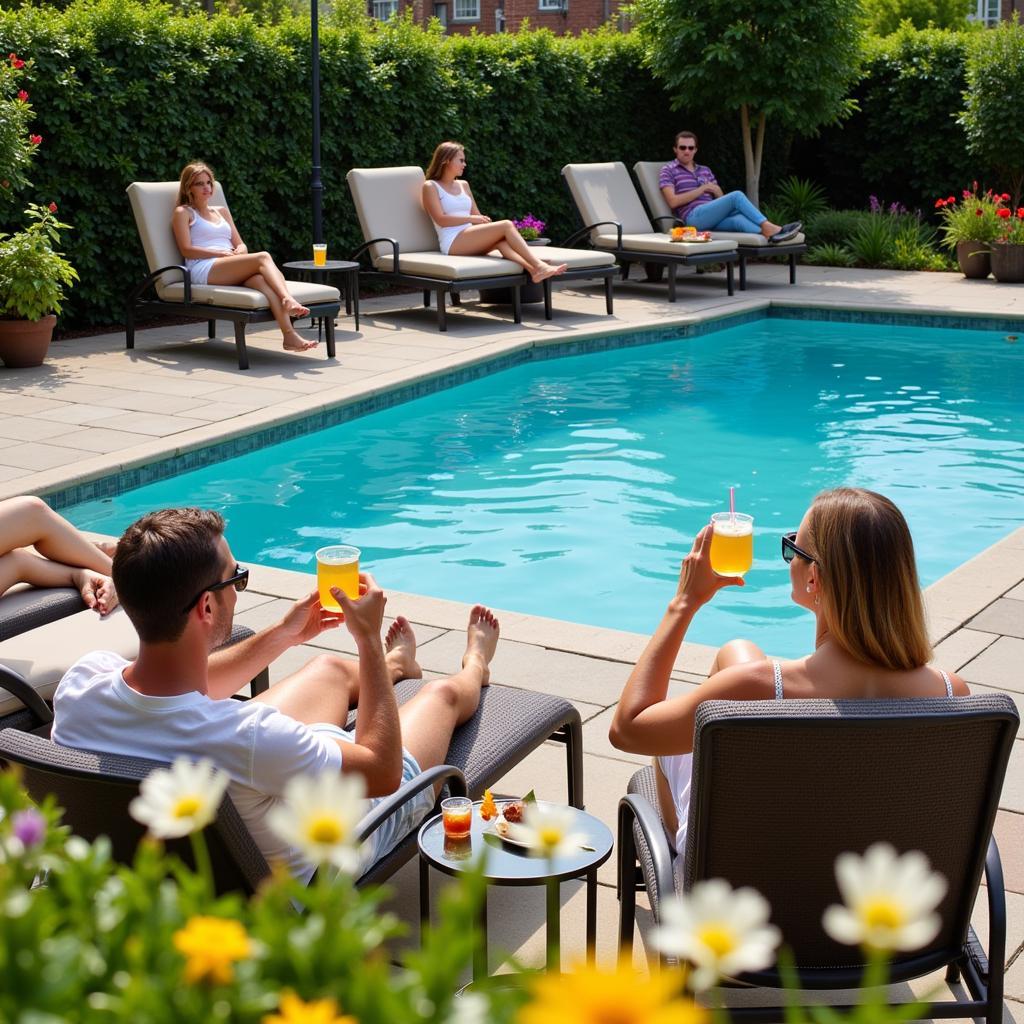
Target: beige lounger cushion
{"x": 449, "y": 268}
{"x": 605, "y": 192}
{"x": 657, "y": 242}
{"x": 647, "y": 173}
{"x": 44, "y": 654}
{"x": 388, "y": 202}
{"x": 153, "y": 204}
{"x": 577, "y": 259}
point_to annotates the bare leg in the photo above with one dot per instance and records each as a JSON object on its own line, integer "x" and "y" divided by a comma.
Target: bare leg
{"x": 22, "y": 566}
{"x": 238, "y": 269}
{"x": 737, "y": 652}
{"x": 292, "y": 340}
{"x": 430, "y": 718}
{"x": 328, "y": 686}
{"x": 503, "y": 236}
{"x": 30, "y": 522}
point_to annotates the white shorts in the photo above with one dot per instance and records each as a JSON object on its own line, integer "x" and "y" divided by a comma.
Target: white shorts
{"x": 200, "y": 269}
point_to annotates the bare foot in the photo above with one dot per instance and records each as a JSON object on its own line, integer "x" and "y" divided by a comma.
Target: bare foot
{"x": 96, "y": 589}
{"x": 294, "y": 308}
{"x": 400, "y": 647}
{"x": 295, "y": 342}
{"x": 481, "y": 640}
{"x": 546, "y": 270}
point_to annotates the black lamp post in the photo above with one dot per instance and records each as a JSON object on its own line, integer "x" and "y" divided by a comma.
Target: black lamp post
{"x": 316, "y": 187}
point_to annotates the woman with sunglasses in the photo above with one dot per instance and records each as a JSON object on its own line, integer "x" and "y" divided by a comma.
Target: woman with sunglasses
{"x": 852, "y": 566}
{"x": 695, "y": 197}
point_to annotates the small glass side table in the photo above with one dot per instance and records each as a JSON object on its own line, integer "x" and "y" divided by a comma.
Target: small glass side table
{"x": 345, "y": 269}
{"x": 510, "y": 865}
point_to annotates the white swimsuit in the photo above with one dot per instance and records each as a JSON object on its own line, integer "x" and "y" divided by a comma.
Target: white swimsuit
{"x": 453, "y": 206}
{"x": 205, "y": 235}
{"x": 677, "y": 769}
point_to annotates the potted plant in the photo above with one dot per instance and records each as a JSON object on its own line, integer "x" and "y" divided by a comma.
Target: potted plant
{"x": 33, "y": 279}
{"x": 969, "y": 227}
{"x": 1008, "y": 246}
{"x": 532, "y": 229}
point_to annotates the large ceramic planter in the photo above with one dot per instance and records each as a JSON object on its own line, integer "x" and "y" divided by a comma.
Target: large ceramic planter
{"x": 527, "y": 293}
{"x": 25, "y": 342}
{"x": 1008, "y": 262}
{"x": 974, "y": 258}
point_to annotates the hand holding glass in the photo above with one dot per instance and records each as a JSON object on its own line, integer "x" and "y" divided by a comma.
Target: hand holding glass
{"x": 337, "y": 566}
{"x": 732, "y": 544}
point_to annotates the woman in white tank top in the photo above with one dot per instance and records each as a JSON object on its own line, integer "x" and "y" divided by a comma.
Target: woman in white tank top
{"x": 852, "y": 566}
{"x": 462, "y": 230}
{"x": 215, "y": 253}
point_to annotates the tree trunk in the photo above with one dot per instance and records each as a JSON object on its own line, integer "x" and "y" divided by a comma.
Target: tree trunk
{"x": 752, "y": 152}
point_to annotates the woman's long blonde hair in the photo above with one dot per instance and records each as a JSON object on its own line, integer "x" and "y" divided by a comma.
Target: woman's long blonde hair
{"x": 871, "y": 600}
{"x": 188, "y": 174}
{"x": 443, "y": 155}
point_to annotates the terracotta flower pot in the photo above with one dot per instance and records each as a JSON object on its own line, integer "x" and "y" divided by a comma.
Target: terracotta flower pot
{"x": 1008, "y": 262}
{"x": 974, "y": 259}
{"x": 25, "y": 342}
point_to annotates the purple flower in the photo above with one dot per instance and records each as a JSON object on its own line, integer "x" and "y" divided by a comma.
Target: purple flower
{"x": 531, "y": 223}
{"x": 897, "y": 208}
{"x": 874, "y": 205}
{"x": 29, "y": 826}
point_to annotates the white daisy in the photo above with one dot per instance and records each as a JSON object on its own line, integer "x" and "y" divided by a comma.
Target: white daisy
{"x": 720, "y": 930}
{"x": 319, "y": 816}
{"x": 890, "y": 900}
{"x": 547, "y": 830}
{"x": 182, "y": 799}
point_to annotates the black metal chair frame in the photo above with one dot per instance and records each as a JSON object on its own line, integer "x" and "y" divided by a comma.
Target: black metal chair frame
{"x": 627, "y": 257}
{"x": 651, "y": 868}
{"x": 138, "y": 305}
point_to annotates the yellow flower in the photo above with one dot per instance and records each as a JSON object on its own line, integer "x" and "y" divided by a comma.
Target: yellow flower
{"x": 210, "y": 946}
{"x": 591, "y": 996}
{"x": 316, "y": 1011}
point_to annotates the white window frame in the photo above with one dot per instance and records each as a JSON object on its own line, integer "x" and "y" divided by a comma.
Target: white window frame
{"x": 552, "y": 6}
{"x": 988, "y": 12}
{"x": 384, "y": 9}
{"x": 465, "y": 10}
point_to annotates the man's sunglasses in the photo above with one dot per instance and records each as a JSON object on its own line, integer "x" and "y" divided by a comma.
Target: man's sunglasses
{"x": 790, "y": 550}
{"x": 239, "y": 581}
{"x": 686, "y": 147}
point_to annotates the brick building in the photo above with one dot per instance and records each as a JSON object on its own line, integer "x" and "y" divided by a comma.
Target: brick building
{"x": 991, "y": 12}
{"x": 488, "y": 16}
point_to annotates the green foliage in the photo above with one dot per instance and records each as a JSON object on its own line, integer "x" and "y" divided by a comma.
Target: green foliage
{"x": 834, "y": 227}
{"x": 129, "y": 91}
{"x": 972, "y": 218}
{"x": 995, "y": 83}
{"x": 33, "y": 274}
{"x": 872, "y": 244}
{"x": 886, "y": 16}
{"x": 16, "y": 147}
{"x": 829, "y": 255}
{"x": 798, "y": 199}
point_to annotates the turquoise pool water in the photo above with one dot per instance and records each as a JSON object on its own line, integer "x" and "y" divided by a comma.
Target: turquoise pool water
{"x": 572, "y": 487}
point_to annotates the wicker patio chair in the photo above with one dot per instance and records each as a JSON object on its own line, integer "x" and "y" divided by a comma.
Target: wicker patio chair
{"x": 23, "y": 607}
{"x": 748, "y": 246}
{"x": 781, "y": 788}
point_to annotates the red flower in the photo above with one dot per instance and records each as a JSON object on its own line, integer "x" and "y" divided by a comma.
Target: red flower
{"x": 951, "y": 200}
{"x": 1004, "y": 213}
{"x": 1005, "y": 196}
{"x": 978, "y": 213}
{"x": 1020, "y": 213}
{"x": 23, "y": 96}
{"x": 52, "y": 207}
{"x": 966, "y": 194}
{"x": 15, "y": 62}
{"x": 35, "y": 139}
{"x": 939, "y": 203}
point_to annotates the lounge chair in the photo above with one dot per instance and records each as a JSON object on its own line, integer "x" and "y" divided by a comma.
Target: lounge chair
{"x": 781, "y": 788}
{"x": 401, "y": 247}
{"x": 95, "y": 789}
{"x": 615, "y": 221}
{"x": 23, "y": 607}
{"x": 748, "y": 246}
{"x": 167, "y": 289}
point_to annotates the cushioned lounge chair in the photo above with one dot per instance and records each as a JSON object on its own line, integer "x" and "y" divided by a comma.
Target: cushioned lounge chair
{"x": 781, "y": 788}
{"x": 401, "y": 247}
{"x": 95, "y": 789}
{"x": 168, "y": 290}
{"x": 615, "y": 221}
{"x": 23, "y": 607}
{"x": 748, "y": 246}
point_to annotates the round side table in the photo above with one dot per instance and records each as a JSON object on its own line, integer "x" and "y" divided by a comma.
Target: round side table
{"x": 346, "y": 270}
{"x": 506, "y": 864}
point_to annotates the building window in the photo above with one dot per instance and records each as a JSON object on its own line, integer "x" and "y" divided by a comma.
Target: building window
{"x": 553, "y": 5}
{"x": 986, "y": 11}
{"x": 441, "y": 13}
{"x": 467, "y": 10}
{"x": 384, "y": 9}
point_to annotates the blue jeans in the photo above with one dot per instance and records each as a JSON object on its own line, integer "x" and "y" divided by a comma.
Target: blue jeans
{"x": 733, "y": 212}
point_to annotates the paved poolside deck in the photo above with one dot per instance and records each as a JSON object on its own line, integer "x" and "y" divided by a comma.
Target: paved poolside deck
{"x": 94, "y": 409}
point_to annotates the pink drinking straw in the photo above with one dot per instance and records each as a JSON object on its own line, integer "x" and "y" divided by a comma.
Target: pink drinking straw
{"x": 732, "y": 504}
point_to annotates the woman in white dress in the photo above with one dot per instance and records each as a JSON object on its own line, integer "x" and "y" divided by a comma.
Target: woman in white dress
{"x": 215, "y": 253}
{"x": 462, "y": 230}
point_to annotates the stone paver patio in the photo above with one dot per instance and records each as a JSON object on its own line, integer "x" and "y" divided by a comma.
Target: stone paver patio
{"x": 94, "y": 409}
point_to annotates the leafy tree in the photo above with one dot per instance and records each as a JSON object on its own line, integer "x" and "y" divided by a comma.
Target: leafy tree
{"x": 995, "y": 83}
{"x": 885, "y": 16}
{"x": 790, "y": 61}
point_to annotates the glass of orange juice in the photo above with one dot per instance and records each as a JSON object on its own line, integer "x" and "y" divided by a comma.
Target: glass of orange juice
{"x": 732, "y": 546}
{"x": 337, "y": 566}
{"x": 457, "y": 816}
{"x": 320, "y": 254}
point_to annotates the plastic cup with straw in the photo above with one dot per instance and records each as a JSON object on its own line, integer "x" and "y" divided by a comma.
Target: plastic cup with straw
{"x": 732, "y": 545}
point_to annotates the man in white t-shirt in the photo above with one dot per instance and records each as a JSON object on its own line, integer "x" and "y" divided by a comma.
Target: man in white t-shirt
{"x": 177, "y": 580}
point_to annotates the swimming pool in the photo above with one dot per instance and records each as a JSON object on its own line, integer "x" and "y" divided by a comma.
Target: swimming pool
{"x": 572, "y": 487}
